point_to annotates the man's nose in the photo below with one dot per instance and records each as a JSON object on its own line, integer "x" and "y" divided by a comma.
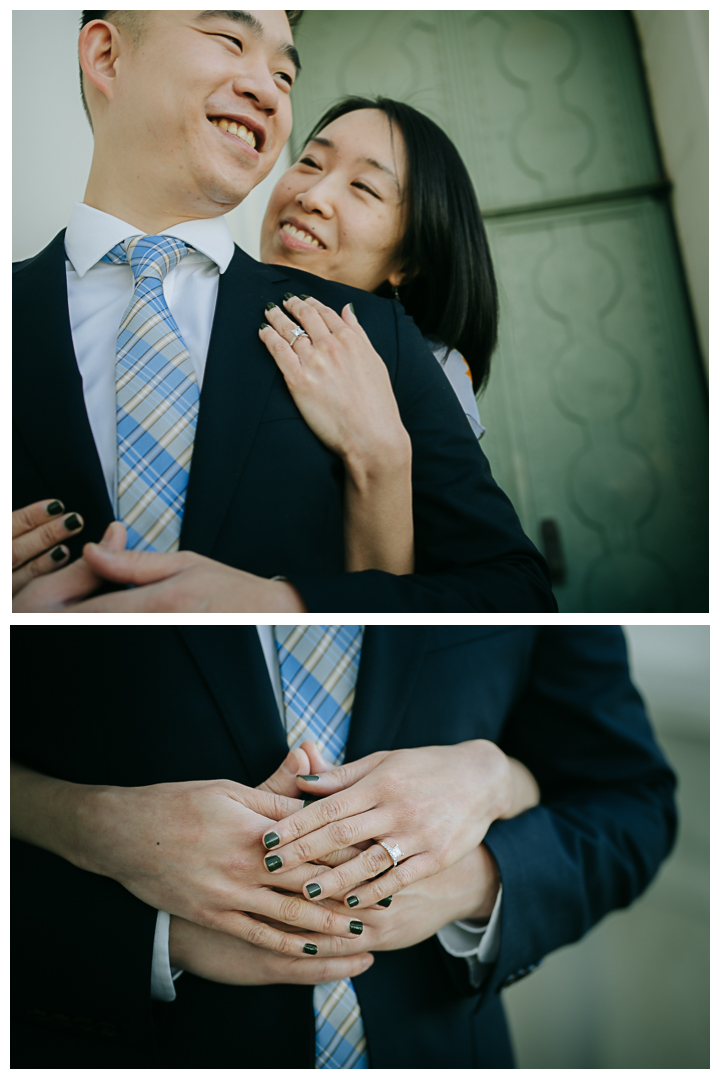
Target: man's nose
{"x": 258, "y": 85}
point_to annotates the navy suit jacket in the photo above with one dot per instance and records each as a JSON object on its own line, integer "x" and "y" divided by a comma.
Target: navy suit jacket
{"x": 196, "y": 703}
{"x": 265, "y": 495}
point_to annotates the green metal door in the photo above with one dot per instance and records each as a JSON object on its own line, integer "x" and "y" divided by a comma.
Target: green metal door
{"x": 595, "y": 412}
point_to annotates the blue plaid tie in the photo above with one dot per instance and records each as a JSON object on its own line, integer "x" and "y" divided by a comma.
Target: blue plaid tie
{"x": 318, "y": 669}
{"x": 157, "y": 399}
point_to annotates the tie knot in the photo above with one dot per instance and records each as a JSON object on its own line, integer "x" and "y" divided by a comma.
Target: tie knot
{"x": 149, "y": 256}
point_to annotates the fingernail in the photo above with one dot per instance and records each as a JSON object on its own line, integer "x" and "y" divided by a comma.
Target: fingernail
{"x": 72, "y": 523}
{"x": 271, "y": 839}
{"x": 53, "y": 508}
{"x": 352, "y": 901}
{"x": 58, "y": 554}
{"x": 304, "y": 296}
{"x": 310, "y": 799}
{"x": 352, "y": 308}
{"x": 386, "y": 902}
{"x": 310, "y": 949}
{"x": 356, "y": 927}
{"x": 273, "y": 862}
{"x": 264, "y": 326}
{"x": 301, "y": 777}
{"x": 313, "y": 890}
{"x": 270, "y": 305}
{"x": 289, "y": 296}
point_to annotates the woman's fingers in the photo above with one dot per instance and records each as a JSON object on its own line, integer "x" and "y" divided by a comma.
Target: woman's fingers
{"x": 329, "y": 782}
{"x": 343, "y": 833}
{"x": 282, "y": 942}
{"x": 394, "y": 881}
{"x": 298, "y": 307}
{"x": 39, "y": 513}
{"x": 309, "y": 972}
{"x": 45, "y": 564}
{"x": 41, "y": 536}
{"x": 347, "y": 803}
{"x": 375, "y": 860}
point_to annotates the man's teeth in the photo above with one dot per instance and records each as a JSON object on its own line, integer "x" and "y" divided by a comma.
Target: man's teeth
{"x": 235, "y": 129}
{"x": 305, "y": 237}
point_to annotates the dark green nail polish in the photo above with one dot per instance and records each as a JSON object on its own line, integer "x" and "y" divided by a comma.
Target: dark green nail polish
{"x": 310, "y": 799}
{"x": 313, "y": 890}
{"x": 264, "y": 326}
{"x": 386, "y": 902}
{"x": 270, "y": 305}
{"x": 72, "y": 523}
{"x": 54, "y": 508}
{"x": 273, "y": 862}
{"x": 356, "y": 927}
{"x": 301, "y": 777}
{"x": 310, "y": 948}
{"x": 58, "y": 554}
{"x": 304, "y": 296}
{"x": 271, "y": 839}
{"x": 352, "y": 308}
{"x": 352, "y": 901}
{"x": 289, "y": 296}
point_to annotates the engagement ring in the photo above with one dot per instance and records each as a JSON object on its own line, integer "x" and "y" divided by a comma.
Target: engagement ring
{"x": 394, "y": 852}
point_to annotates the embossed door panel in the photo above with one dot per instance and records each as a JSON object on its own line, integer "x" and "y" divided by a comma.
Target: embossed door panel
{"x": 595, "y": 412}
{"x": 595, "y": 418}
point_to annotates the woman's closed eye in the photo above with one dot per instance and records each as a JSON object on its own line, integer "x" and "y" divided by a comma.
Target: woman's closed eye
{"x": 364, "y": 187}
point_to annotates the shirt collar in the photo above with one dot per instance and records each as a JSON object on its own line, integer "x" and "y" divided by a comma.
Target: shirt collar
{"x": 91, "y": 233}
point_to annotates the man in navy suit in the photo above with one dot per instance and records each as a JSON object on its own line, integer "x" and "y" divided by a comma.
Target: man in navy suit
{"x": 135, "y": 716}
{"x": 262, "y": 524}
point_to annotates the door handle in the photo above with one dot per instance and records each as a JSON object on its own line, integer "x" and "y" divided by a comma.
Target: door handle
{"x": 553, "y": 551}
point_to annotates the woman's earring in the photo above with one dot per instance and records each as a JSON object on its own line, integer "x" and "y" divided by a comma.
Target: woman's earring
{"x": 396, "y": 294}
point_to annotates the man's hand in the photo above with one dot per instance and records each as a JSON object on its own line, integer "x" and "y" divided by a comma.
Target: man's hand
{"x": 436, "y": 803}
{"x": 61, "y": 591}
{"x": 181, "y": 581}
{"x": 37, "y": 534}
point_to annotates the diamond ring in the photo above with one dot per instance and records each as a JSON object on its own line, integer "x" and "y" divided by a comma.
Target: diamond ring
{"x": 394, "y": 852}
{"x": 298, "y": 332}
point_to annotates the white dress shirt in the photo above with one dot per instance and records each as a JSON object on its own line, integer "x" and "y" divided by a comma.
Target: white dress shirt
{"x": 479, "y": 945}
{"x": 99, "y": 293}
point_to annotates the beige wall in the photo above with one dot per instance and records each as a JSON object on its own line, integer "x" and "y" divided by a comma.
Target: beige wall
{"x": 675, "y": 47}
{"x": 634, "y": 993}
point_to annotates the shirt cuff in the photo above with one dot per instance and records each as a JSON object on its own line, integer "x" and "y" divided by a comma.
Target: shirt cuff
{"x": 162, "y": 984}
{"x": 478, "y": 945}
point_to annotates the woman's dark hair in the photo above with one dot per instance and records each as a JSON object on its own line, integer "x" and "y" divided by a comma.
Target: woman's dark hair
{"x": 450, "y": 289}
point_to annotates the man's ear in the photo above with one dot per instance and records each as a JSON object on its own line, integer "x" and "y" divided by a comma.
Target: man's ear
{"x": 98, "y": 50}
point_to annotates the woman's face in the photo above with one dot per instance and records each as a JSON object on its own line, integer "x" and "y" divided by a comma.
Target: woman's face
{"x": 338, "y": 212}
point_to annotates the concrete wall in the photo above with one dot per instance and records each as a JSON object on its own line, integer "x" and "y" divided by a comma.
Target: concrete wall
{"x": 675, "y": 47}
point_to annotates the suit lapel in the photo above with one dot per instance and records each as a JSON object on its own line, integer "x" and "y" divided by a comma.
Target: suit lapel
{"x": 389, "y": 665}
{"x": 49, "y": 408}
{"x": 237, "y": 383}
{"x": 233, "y": 665}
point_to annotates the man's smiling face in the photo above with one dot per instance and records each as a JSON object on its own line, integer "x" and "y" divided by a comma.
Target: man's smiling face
{"x": 200, "y": 107}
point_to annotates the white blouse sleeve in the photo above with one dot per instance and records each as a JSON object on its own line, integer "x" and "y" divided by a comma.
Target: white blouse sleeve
{"x": 458, "y": 375}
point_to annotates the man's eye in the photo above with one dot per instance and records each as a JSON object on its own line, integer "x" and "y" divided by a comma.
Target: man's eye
{"x": 308, "y": 161}
{"x": 284, "y": 75}
{"x": 235, "y": 41}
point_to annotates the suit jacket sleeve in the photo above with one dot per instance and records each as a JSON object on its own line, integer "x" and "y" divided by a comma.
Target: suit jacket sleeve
{"x": 607, "y": 817}
{"x": 82, "y": 949}
{"x": 471, "y": 552}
